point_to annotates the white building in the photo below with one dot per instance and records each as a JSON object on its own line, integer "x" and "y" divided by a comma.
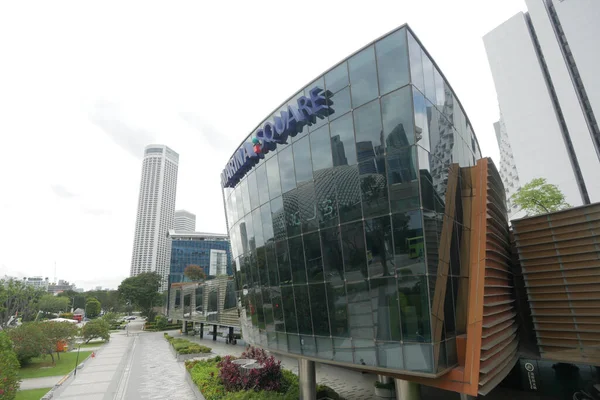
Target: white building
{"x": 544, "y": 64}
{"x": 156, "y": 212}
{"x": 185, "y": 221}
{"x": 37, "y": 282}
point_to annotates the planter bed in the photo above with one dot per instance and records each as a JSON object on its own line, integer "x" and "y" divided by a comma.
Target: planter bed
{"x": 184, "y": 349}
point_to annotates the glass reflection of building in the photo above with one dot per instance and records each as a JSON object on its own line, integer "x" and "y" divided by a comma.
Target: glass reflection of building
{"x": 336, "y": 234}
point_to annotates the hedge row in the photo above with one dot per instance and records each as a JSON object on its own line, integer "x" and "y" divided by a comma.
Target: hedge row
{"x": 184, "y": 346}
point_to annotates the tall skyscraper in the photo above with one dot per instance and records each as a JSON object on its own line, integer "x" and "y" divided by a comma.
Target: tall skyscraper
{"x": 185, "y": 221}
{"x": 156, "y": 212}
{"x": 544, "y": 64}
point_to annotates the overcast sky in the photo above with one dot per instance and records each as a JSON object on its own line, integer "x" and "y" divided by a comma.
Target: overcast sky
{"x": 84, "y": 86}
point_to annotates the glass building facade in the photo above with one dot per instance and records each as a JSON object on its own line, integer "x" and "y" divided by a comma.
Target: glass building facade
{"x": 335, "y": 234}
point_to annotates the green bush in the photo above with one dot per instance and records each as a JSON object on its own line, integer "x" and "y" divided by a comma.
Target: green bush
{"x": 161, "y": 322}
{"x": 9, "y": 368}
{"x": 96, "y": 329}
{"x": 205, "y": 375}
{"x": 29, "y": 341}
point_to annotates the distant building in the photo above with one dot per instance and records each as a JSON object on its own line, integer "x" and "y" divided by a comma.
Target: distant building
{"x": 79, "y": 290}
{"x": 37, "y": 282}
{"x": 185, "y": 221}
{"x": 98, "y": 288}
{"x": 156, "y": 212}
{"x": 61, "y": 286}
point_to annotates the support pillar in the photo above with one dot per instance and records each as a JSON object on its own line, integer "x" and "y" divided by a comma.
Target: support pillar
{"x": 307, "y": 379}
{"x": 407, "y": 390}
{"x": 184, "y": 327}
{"x": 201, "y": 330}
{"x": 464, "y": 396}
{"x": 384, "y": 379}
{"x": 230, "y": 336}
{"x": 214, "y": 332}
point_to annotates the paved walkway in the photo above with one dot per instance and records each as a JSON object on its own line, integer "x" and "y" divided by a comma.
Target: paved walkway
{"x": 40, "y": 383}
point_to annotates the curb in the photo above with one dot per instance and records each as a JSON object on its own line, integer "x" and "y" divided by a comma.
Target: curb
{"x": 195, "y": 390}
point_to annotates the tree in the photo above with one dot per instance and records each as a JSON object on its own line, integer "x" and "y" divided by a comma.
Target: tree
{"x": 108, "y": 298}
{"x": 194, "y": 273}
{"x": 142, "y": 291}
{"x": 53, "y": 304}
{"x": 112, "y": 318}
{"x": 92, "y": 307}
{"x": 96, "y": 329}
{"x": 539, "y": 197}
{"x": 9, "y": 368}
{"x": 29, "y": 341}
{"x": 18, "y": 300}
{"x": 55, "y": 333}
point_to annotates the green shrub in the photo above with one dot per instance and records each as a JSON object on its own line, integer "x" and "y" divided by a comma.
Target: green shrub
{"x": 29, "y": 341}
{"x": 205, "y": 375}
{"x": 161, "y": 322}
{"x": 9, "y": 368}
{"x": 325, "y": 392}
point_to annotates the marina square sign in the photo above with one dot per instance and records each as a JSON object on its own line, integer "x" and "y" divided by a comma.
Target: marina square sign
{"x": 290, "y": 122}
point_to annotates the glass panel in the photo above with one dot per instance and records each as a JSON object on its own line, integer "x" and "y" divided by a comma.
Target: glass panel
{"x": 319, "y": 121}
{"x": 325, "y": 348}
{"x": 409, "y": 247}
{"x": 342, "y": 350}
{"x": 378, "y": 234}
{"x": 337, "y": 78}
{"x": 272, "y": 264}
{"x": 414, "y": 308}
{"x": 365, "y": 352}
{"x": 320, "y": 146}
{"x": 289, "y": 309}
{"x": 303, "y": 309}
{"x": 326, "y": 199}
{"x": 363, "y": 77}
{"x": 373, "y": 187}
{"x": 278, "y": 218}
{"x": 390, "y": 355}
{"x": 267, "y": 224}
{"x": 253, "y": 189}
{"x": 273, "y": 177}
{"x": 262, "y": 183}
{"x": 261, "y": 263}
{"x": 297, "y": 260}
{"x": 386, "y": 310}
{"x": 282, "y": 342}
{"x": 416, "y": 65}
{"x": 338, "y": 309}
{"x": 360, "y": 314}
{"x": 258, "y": 233}
{"x": 318, "y": 306}
{"x": 418, "y": 356}
{"x": 239, "y": 202}
{"x": 286, "y": 169}
{"x": 421, "y": 107}
{"x": 428, "y": 78}
{"x": 292, "y": 212}
{"x": 398, "y": 119}
{"x": 277, "y": 309}
{"x": 333, "y": 265}
{"x": 302, "y": 161}
{"x": 353, "y": 244}
{"x": 347, "y": 185}
{"x": 341, "y": 103}
{"x": 309, "y": 346}
{"x": 440, "y": 94}
{"x": 308, "y": 207}
{"x": 314, "y": 260}
{"x": 402, "y": 180}
{"x": 343, "y": 147}
{"x": 392, "y": 61}
{"x": 245, "y": 196}
{"x": 283, "y": 262}
{"x": 367, "y": 123}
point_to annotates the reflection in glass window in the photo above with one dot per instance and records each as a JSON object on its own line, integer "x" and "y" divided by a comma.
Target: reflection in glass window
{"x": 277, "y": 309}
{"x": 409, "y": 243}
{"x": 343, "y": 148}
{"x": 378, "y": 235}
{"x": 267, "y": 225}
{"x": 302, "y": 161}
{"x": 258, "y": 231}
{"x": 313, "y": 257}
{"x": 320, "y": 147}
{"x": 397, "y": 117}
{"x": 253, "y": 189}
{"x": 390, "y": 355}
{"x": 268, "y": 310}
{"x": 261, "y": 265}
{"x": 289, "y": 309}
{"x": 373, "y": 187}
{"x": 337, "y": 78}
{"x": 347, "y": 184}
{"x": 440, "y": 94}
{"x": 413, "y": 295}
{"x": 283, "y": 262}
{"x": 353, "y": 244}
{"x": 402, "y": 180}
{"x": 303, "y": 309}
{"x": 363, "y": 77}
{"x": 273, "y": 177}
{"x": 272, "y": 264}
{"x": 360, "y": 313}
{"x": 308, "y": 207}
{"x": 337, "y": 306}
{"x": 392, "y": 61}
{"x": 297, "y": 260}
{"x": 341, "y": 103}
{"x": 416, "y": 64}
{"x": 286, "y": 169}
{"x": 262, "y": 183}
{"x": 422, "y": 112}
{"x": 419, "y": 356}
{"x": 199, "y": 311}
{"x": 367, "y": 124}
{"x": 325, "y": 347}
{"x": 292, "y": 213}
{"x": 326, "y": 198}
{"x": 386, "y": 318}
{"x": 245, "y": 196}
{"x": 333, "y": 265}
{"x": 428, "y": 77}
{"x": 278, "y": 217}
{"x": 239, "y": 202}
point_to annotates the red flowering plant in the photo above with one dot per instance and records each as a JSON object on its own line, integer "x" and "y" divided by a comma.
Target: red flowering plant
{"x": 235, "y": 378}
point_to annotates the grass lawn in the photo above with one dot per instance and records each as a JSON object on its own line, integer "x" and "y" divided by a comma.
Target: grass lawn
{"x": 88, "y": 345}
{"x": 42, "y": 366}
{"x": 33, "y": 394}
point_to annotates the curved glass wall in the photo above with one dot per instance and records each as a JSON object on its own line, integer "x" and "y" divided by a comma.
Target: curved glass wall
{"x": 335, "y": 234}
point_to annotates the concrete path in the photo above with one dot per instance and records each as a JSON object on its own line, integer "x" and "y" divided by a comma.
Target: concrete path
{"x": 40, "y": 383}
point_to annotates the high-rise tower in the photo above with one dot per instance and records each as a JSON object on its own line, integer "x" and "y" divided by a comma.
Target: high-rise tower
{"x": 185, "y": 221}
{"x": 156, "y": 212}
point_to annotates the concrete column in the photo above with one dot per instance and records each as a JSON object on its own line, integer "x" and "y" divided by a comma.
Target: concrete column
{"x": 407, "y": 390}
{"x": 384, "y": 379}
{"x": 201, "y": 330}
{"x": 308, "y": 379}
{"x": 184, "y": 327}
{"x": 230, "y": 338}
{"x": 214, "y": 332}
{"x": 464, "y": 396}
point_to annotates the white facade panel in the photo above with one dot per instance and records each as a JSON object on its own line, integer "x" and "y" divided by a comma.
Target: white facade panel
{"x": 531, "y": 123}
{"x": 185, "y": 221}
